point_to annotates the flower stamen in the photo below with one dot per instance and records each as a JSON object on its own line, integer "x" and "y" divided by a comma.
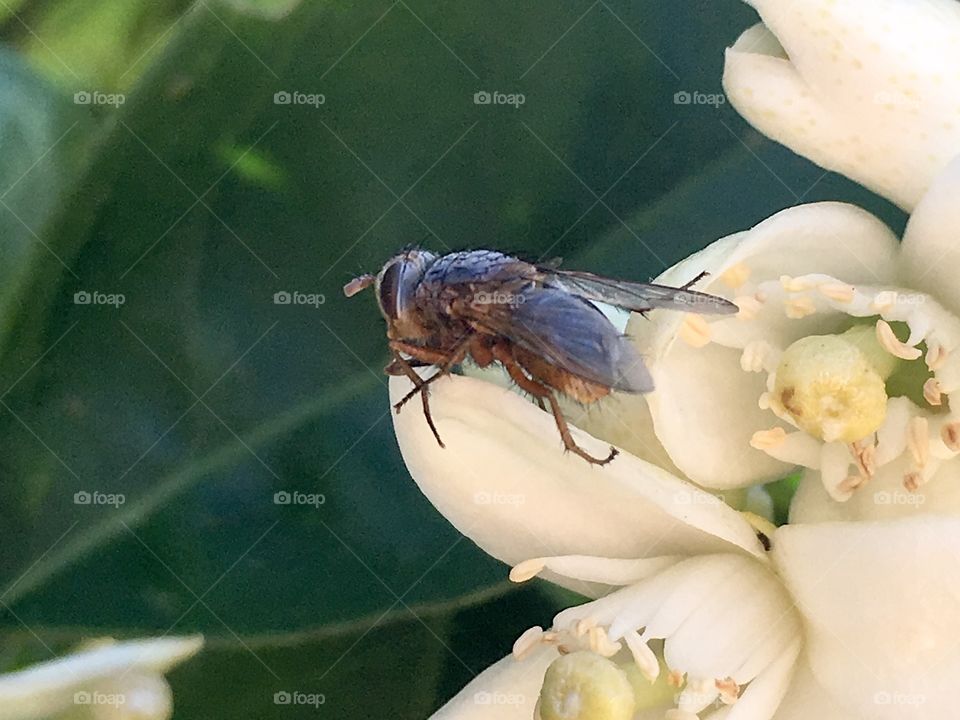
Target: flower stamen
{"x": 735, "y": 276}
{"x": 889, "y": 341}
{"x": 799, "y": 307}
{"x": 932, "y": 392}
{"x": 695, "y": 331}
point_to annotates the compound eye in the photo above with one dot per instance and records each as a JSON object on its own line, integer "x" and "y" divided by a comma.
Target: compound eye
{"x": 390, "y": 290}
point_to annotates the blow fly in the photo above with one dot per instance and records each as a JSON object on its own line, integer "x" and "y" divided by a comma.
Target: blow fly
{"x": 537, "y": 321}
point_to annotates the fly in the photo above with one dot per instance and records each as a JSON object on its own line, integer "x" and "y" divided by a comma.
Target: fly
{"x": 537, "y": 321}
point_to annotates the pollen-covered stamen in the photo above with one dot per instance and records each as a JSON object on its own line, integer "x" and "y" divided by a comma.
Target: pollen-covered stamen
{"x": 889, "y": 341}
{"x": 694, "y": 330}
{"x": 950, "y": 434}
{"x": 864, "y": 454}
{"x": 796, "y": 285}
{"x": 768, "y": 439}
{"x": 759, "y": 355}
{"x": 729, "y": 691}
{"x": 644, "y": 658}
{"x": 838, "y": 292}
{"x": 936, "y": 356}
{"x": 528, "y": 641}
{"x": 735, "y": 276}
{"x": 918, "y": 441}
{"x": 932, "y": 392}
{"x": 799, "y": 307}
{"x": 749, "y": 306}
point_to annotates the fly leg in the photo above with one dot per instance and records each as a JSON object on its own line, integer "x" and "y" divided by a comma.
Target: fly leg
{"x": 691, "y": 283}
{"x": 401, "y": 366}
{"x": 541, "y": 391}
{"x": 445, "y": 365}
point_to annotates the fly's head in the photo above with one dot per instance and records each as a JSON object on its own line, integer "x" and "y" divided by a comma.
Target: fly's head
{"x": 396, "y": 286}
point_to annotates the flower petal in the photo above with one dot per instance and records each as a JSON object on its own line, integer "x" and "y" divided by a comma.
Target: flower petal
{"x": 49, "y": 687}
{"x": 703, "y": 393}
{"x": 807, "y": 699}
{"x": 507, "y": 690}
{"x": 504, "y": 480}
{"x": 865, "y": 89}
{"x": 881, "y": 607}
{"x": 931, "y": 253}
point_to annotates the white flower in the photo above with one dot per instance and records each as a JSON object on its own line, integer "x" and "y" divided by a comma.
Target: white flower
{"x": 843, "y": 359}
{"x": 105, "y": 680}
{"x": 839, "y": 617}
{"x": 845, "y": 343}
{"x": 869, "y": 89}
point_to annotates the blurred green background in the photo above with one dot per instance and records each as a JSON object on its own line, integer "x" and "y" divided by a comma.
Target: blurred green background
{"x": 200, "y": 197}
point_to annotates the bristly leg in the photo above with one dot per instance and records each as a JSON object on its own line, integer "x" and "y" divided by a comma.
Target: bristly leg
{"x": 401, "y": 366}
{"x": 691, "y": 283}
{"x": 541, "y": 391}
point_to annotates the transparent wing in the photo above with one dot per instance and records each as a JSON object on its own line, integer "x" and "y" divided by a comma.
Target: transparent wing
{"x": 636, "y": 296}
{"x": 569, "y": 333}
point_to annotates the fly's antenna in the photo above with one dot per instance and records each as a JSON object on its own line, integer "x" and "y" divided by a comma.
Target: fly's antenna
{"x": 358, "y": 284}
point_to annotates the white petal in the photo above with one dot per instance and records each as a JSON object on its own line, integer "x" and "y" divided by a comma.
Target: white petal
{"x": 863, "y": 88}
{"x": 507, "y": 690}
{"x": 807, "y": 699}
{"x": 505, "y": 482}
{"x": 931, "y": 243}
{"x": 46, "y": 688}
{"x": 702, "y": 394}
{"x": 765, "y": 694}
{"x": 881, "y": 605}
